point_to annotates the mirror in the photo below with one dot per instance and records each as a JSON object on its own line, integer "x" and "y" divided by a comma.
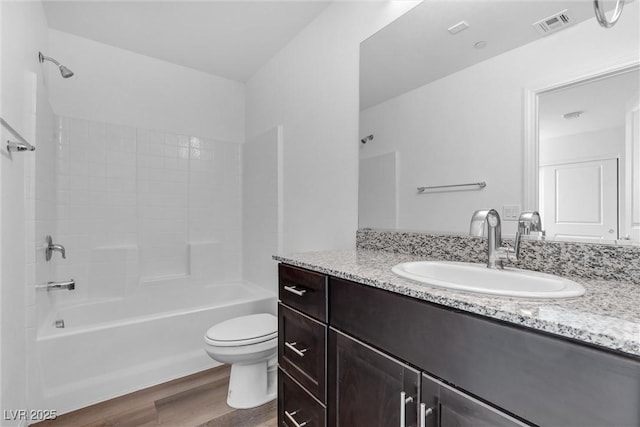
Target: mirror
{"x": 452, "y": 92}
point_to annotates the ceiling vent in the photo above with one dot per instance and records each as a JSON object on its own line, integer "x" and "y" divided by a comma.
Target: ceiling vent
{"x": 553, "y": 23}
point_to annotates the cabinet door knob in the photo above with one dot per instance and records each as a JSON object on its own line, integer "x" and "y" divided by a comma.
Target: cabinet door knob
{"x": 293, "y": 420}
{"x": 294, "y": 290}
{"x": 292, "y": 347}
{"x": 403, "y": 407}
{"x": 424, "y": 413}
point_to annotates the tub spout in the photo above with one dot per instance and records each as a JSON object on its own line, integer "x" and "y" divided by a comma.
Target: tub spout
{"x": 69, "y": 285}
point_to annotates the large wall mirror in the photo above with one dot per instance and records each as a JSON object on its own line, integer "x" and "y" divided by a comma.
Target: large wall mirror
{"x": 512, "y": 105}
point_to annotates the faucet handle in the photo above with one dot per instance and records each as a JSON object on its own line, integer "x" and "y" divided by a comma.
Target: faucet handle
{"x": 529, "y": 221}
{"x": 48, "y": 250}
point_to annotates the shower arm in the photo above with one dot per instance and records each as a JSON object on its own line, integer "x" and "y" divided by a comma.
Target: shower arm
{"x": 43, "y": 58}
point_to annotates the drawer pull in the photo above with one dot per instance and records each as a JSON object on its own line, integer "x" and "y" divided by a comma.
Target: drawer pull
{"x": 293, "y": 420}
{"x": 403, "y": 407}
{"x": 424, "y": 413}
{"x": 294, "y": 290}
{"x": 292, "y": 346}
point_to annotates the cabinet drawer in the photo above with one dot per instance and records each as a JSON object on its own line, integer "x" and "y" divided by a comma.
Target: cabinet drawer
{"x": 302, "y": 349}
{"x": 303, "y": 290}
{"x": 296, "y": 407}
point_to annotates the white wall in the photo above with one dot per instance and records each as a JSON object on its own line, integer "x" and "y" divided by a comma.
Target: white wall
{"x": 261, "y": 227}
{"x": 469, "y": 127}
{"x": 116, "y": 86}
{"x": 311, "y": 88}
{"x": 600, "y": 144}
{"x": 27, "y": 202}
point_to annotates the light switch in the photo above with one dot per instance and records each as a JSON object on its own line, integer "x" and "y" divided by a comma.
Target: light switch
{"x": 510, "y": 212}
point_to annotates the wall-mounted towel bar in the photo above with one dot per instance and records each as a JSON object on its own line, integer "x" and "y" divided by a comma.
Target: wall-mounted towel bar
{"x": 435, "y": 187}
{"x": 21, "y": 144}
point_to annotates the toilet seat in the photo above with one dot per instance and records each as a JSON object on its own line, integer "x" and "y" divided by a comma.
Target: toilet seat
{"x": 244, "y": 330}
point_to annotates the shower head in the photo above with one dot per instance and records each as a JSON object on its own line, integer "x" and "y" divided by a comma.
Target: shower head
{"x": 66, "y": 73}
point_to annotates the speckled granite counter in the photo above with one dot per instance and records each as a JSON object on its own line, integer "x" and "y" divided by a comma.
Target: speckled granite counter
{"x": 608, "y": 314}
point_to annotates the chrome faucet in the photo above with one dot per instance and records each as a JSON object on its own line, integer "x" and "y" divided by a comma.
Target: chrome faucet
{"x": 48, "y": 250}
{"x": 528, "y": 223}
{"x": 496, "y": 252}
{"x": 69, "y": 285}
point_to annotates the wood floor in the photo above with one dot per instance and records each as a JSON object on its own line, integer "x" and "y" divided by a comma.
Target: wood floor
{"x": 196, "y": 400}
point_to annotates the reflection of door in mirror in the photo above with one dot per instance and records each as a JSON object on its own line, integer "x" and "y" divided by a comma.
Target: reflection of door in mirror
{"x": 580, "y": 199}
{"x": 588, "y": 158}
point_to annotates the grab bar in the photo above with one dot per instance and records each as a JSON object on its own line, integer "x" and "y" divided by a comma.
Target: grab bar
{"x": 481, "y": 184}
{"x": 21, "y": 145}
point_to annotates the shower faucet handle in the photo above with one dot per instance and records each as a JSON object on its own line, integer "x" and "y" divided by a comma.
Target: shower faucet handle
{"x": 48, "y": 250}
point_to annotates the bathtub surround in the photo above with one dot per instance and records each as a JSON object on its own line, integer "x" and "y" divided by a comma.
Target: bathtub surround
{"x": 570, "y": 259}
{"x": 138, "y": 205}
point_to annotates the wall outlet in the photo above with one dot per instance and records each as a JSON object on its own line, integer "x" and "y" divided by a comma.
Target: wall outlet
{"x": 510, "y": 212}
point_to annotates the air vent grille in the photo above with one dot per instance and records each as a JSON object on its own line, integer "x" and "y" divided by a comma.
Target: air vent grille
{"x": 553, "y": 23}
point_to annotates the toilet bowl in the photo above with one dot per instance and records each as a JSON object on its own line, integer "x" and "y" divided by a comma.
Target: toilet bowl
{"x": 249, "y": 344}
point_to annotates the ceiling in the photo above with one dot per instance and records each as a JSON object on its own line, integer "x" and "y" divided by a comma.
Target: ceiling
{"x": 230, "y": 39}
{"x": 417, "y": 49}
{"x": 604, "y": 103}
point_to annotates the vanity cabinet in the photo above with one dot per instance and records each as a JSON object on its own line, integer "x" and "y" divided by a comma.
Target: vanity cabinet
{"x": 302, "y": 347}
{"x": 387, "y": 354}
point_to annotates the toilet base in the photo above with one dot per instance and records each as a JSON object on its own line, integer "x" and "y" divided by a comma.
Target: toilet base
{"x": 252, "y": 385}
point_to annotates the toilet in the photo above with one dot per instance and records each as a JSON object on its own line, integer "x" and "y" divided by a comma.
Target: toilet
{"x": 249, "y": 344}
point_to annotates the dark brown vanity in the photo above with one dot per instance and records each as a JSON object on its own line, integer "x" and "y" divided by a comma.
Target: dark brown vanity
{"x": 355, "y": 355}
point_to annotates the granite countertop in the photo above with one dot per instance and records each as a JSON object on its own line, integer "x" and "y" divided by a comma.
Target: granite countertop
{"x": 608, "y": 315}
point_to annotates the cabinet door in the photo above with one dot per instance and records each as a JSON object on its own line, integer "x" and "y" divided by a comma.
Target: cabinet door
{"x": 368, "y": 388}
{"x": 445, "y": 406}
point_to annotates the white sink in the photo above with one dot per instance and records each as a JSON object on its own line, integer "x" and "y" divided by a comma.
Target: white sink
{"x": 478, "y": 278}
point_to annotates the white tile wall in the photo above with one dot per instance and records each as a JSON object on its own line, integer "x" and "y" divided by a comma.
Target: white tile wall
{"x": 163, "y": 203}
{"x": 139, "y": 205}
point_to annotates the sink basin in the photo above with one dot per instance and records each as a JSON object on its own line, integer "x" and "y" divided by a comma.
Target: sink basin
{"x": 478, "y": 278}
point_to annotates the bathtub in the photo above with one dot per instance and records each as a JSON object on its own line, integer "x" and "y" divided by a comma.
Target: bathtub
{"x": 110, "y": 347}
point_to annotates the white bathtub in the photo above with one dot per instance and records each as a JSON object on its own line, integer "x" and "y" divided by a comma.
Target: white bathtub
{"x": 115, "y": 346}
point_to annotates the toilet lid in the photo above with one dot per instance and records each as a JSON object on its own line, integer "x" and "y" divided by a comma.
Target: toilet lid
{"x": 244, "y": 330}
